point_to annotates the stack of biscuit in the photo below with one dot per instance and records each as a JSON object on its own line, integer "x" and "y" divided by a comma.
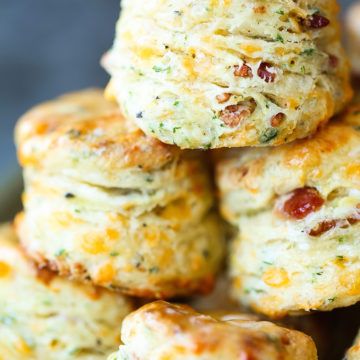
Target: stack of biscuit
{"x": 119, "y": 198}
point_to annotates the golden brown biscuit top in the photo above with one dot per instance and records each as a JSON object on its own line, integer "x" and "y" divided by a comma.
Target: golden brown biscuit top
{"x": 83, "y": 126}
{"x": 233, "y": 337}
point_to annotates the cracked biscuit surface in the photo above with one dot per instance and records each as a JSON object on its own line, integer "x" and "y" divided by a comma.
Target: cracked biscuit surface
{"x": 45, "y": 317}
{"x": 297, "y": 208}
{"x": 228, "y": 73}
{"x": 104, "y": 203}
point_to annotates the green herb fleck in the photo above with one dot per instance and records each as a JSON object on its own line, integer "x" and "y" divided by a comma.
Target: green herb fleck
{"x": 315, "y": 274}
{"x": 176, "y": 128}
{"x": 61, "y": 252}
{"x": 340, "y": 257}
{"x": 268, "y": 263}
{"x": 308, "y": 52}
{"x": 154, "y": 270}
{"x": 280, "y": 12}
{"x": 279, "y": 38}
{"x": 268, "y": 135}
{"x": 161, "y": 69}
{"x": 161, "y": 125}
{"x": 330, "y": 300}
{"x": 176, "y": 103}
{"x": 114, "y": 254}
{"x": 250, "y": 290}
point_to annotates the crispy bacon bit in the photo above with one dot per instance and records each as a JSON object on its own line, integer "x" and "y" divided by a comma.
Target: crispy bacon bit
{"x": 232, "y": 115}
{"x": 277, "y": 119}
{"x": 302, "y": 202}
{"x": 327, "y": 225}
{"x": 45, "y": 275}
{"x": 333, "y": 61}
{"x": 260, "y": 9}
{"x": 316, "y": 21}
{"x": 243, "y": 71}
{"x": 285, "y": 340}
{"x": 222, "y": 98}
{"x": 264, "y": 73}
{"x": 322, "y": 227}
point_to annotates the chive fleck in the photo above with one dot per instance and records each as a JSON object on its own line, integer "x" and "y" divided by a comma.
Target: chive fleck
{"x": 279, "y": 38}
{"x": 161, "y": 69}
{"x": 61, "y": 252}
{"x": 154, "y": 270}
{"x": 268, "y": 135}
{"x": 308, "y": 52}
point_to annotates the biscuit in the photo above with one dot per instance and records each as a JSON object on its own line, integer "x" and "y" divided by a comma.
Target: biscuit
{"x": 354, "y": 352}
{"x": 165, "y": 331}
{"x": 228, "y": 73}
{"x": 45, "y": 317}
{"x": 297, "y": 208}
{"x": 104, "y": 203}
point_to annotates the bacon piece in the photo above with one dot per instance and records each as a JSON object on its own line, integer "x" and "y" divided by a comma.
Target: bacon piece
{"x": 232, "y": 115}
{"x": 243, "y": 71}
{"x": 259, "y": 9}
{"x": 277, "y": 119}
{"x": 222, "y": 98}
{"x": 264, "y": 73}
{"x": 302, "y": 202}
{"x": 316, "y": 21}
{"x": 322, "y": 227}
{"x": 333, "y": 61}
{"x": 327, "y": 225}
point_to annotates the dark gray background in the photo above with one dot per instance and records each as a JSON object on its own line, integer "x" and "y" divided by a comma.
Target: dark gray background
{"x": 47, "y": 47}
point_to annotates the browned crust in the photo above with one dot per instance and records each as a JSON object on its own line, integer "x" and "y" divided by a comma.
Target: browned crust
{"x": 252, "y": 339}
{"x": 165, "y": 289}
{"x": 86, "y": 123}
